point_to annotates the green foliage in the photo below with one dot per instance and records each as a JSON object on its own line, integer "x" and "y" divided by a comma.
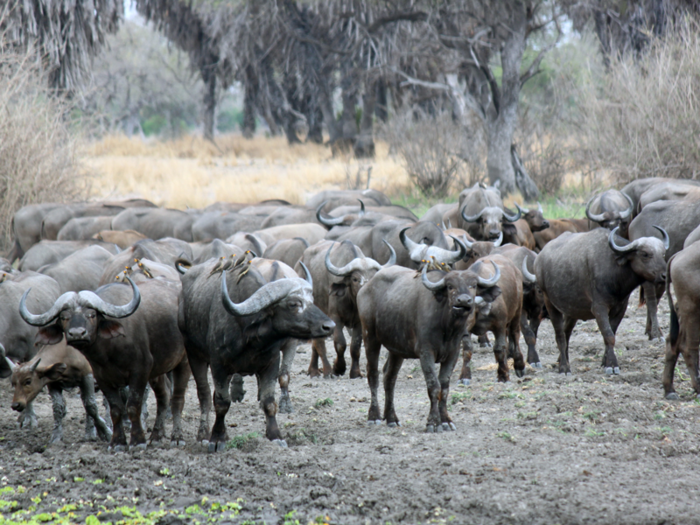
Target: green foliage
{"x": 239, "y": 441}
{"x": 327, "y": 402}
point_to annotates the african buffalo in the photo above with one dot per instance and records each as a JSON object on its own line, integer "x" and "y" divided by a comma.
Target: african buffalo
{"x": 482, "y": 214}
{"x": 682, "y": 278}
{"x": 337, "y": 198}
{"x": 50, "y": 252}
{"x": 130, "y": 345}
{"x": 59, "y": 367}
{"x": 288, "y": 251}
{"x": 80, "y": 270}
{"x": 339, "y": 271}
{"x": 312, "y": 232}
{"x": 234, "y": 320}
{"x": 124, "y": 239}
{"x": 156, "y": 223}
{"x": 418, "y": 318}
{"x": 217, "y": 225}
{"x": 610, "y": 209}
{"x": 556, "y": 228}
{"x": 81, "y": 228}
{"x": 591, "y": 276}
{"x": 636, "y": 188}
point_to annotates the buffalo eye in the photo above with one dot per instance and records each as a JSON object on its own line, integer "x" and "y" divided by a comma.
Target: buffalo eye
{"x": 295, "y": 304}
{"x": 646, "y": 255}
{"x": 27, "y": 382}
{"x": 90, "y": 315}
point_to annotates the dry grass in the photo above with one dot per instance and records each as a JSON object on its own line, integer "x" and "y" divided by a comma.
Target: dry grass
{"x": 190, "y": 172}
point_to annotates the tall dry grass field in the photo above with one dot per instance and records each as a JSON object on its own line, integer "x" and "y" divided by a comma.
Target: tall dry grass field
{"x": 190, "y": 172}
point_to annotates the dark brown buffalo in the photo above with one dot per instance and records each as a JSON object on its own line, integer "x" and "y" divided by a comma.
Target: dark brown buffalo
{"x": 533, "y": 300}
{"x": 50, "y": 252}
{"x": 678, "y": 219}
{"x": 421, "y": 252}
{"x": 610, "y": 209}
{"x": 418, "y": 317}
{"x": 234, "y": 320}
{"x": 475, "y": 250}
{"x": 482, "y": 214}
{"x": 130, "y": 345}
{"x": 339, "y": 271}
{"x": 500, "y": 317}
{"x": 591, "y": 276}
{"x": 556, "y": 228}
{"x": 683, "y": 278}
{"x": 59, "y": 367}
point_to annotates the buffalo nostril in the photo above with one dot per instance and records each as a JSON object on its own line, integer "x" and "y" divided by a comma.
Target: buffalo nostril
{"x": 17, "y": 407}
{"x": 77, "y": 333}
{"x": 328, "y": 326}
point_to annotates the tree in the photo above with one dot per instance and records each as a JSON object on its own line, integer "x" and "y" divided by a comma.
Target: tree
{"x": 64, "y": 34}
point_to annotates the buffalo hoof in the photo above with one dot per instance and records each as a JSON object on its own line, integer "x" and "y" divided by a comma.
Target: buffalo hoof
{"x": 177, "y": 443}
{"x": 465, "y": 382}
{"x": 519, "y": 373}
{"x": 285, "y": 405}
{"x": 430, "y": 429}
{"x": 394, "y": 424}
{"x": 373, "y": 422}
{"x": 280, "y": 442}
{"x": 140, "y": 446}
{"x": 485, "y": 345}
{"x": 448, "y": 427}
{"x": 314, "y": 373}
{"x": 91, "y": 434}
{"x": 117, "y": 448}
{"x": 537, "y": 365}
{"x": 672, "y": 396}
{"x": 27, "y": 421}
{"x": 217, "y": 446}
{"x": 609, "y": 370}
{"x": 56, "y": 438}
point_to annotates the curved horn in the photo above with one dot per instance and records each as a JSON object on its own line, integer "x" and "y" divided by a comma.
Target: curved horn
{"x": 13, "y": 366}
{"x": 92, "y": 300}
{"x": 327, "y": 221}
{"x": 433, "y": 287}
{"x": 626, "y": 214}
{"x": 498, "y": 241}
{"x": 513, "y": 218}
{"x": 339, "y": 272}
{"x": 408, "y": 243}
{"x": 261, "y": 299}
{"x": 667, "y": 239}
{"x": 593, "y": 217}
{"x": 467, "y": 242}
{"x": 46, "y": 317}
{"x": 180, "y": 267}
{"x": 459, "y": 255}
{"x": 448, "y": 224}
{"x": 472, "y": 218}
{"x": 36, "y": 365}
{"x": 307, "y": 274}
{"x": 528, "y": 277}
{"x": 392, "y": 255}
{"x": 620, "y": 249}
{"x": 539, "y": 208}
{"x": 362, "y": 208}
{"x": 488, "y": 283}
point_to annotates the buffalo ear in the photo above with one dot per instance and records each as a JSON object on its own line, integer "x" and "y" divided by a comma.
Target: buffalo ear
{"x": 54, "y": 372}
{"x": 109, "y": 329}
{"x": 509, "y": 229}
{"x": 623, "y": 259}
{"x": 338, "y": 289}
{"x": 489, "y": 294}
{"x": 49, "y": 335}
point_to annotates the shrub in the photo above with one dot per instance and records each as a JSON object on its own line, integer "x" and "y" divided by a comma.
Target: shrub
{"x": 641, "y": 119}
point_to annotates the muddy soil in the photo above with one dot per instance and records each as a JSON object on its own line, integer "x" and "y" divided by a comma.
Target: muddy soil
{"x": 588, "y": 448}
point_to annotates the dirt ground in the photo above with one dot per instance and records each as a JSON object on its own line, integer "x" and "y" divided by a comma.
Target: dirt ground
{"x": 542, "y": 449}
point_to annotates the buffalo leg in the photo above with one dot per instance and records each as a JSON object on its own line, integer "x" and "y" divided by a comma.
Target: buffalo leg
{"x": 267, "y": 379}
{"x": 116, "y": 412}
{"x": 499, "y": 352}
{"x": 161, "y": 390}
{"x": 427, "y": 363}
{"x": 355, "y": 349}
{"x": 237, "y": 391}
{"x": 446, "y": 369}
{"x": 340, "y": 344}
{"x": 318, "y": 347}
{"x": 391, "y": 371}
{"x": 134, "y": 409}
{"x": 59, "y": 412}
{"x": 652, "y": 294}
{"x": 289, "y": 350}
{"x": 465, "y": 377}
{"x": 372, "y": 349}
{"x": 181, "y": 376}
{"x": 99, "y": 427}
{"x": 557, "y": 319}
{"x": 514, "y": 347}
{"x": 199, "y": 371}
{"x": 222, "y": 402}
{"x": 484, "y": 341}
{"x": 530, "y": 336}
{"x": 602, "y": 317}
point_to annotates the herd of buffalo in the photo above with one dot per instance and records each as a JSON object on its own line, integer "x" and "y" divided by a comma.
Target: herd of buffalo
{"x": 122, "y": 295}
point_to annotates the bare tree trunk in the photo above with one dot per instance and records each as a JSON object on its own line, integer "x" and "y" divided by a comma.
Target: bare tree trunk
{"x": 314, "y": 117}
{"x": 209, "y": 78}
{"x": 249, "y": 105}
{"x": 382, "y": 107}
{"x": 502, "y": 121}
{"x": 364, "y": 145}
